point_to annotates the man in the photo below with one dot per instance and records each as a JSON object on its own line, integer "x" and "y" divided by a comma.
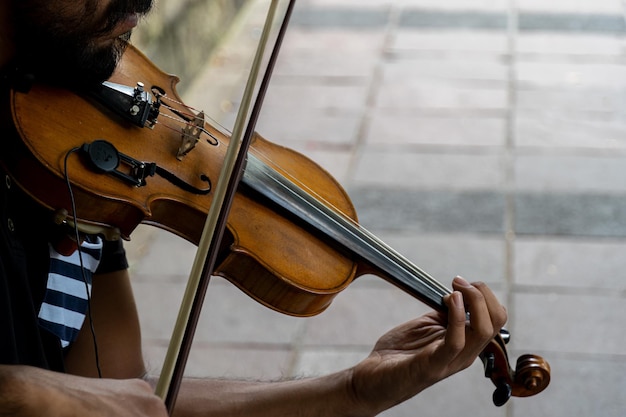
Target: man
{"x": 47, "y": 370}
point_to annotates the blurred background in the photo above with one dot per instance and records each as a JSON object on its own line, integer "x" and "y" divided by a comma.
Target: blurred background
{"x": 478, "y": 137}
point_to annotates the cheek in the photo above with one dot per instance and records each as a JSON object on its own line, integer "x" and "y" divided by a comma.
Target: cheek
{"x": 78, "y": 15}
{"x": 52, "y": 18}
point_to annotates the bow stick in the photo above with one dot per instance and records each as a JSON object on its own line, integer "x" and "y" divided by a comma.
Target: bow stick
{"x": 215, "y": 225}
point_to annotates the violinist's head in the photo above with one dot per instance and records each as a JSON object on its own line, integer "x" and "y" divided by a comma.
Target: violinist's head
{"x": 68, "y": 41}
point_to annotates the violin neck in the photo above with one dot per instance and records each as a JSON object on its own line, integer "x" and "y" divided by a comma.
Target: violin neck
{"x": 344, "y": 232}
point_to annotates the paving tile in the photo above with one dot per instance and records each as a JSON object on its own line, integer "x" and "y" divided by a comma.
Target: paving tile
{"x": 423, "y": 171}
{"x": 568, "y": 323}
{"x": 559, "y": 46}
{"x": 580, "y": 387}
{"x": 329, "y": 64}
{"x": 570, "y": 75}
{"x": 451, "y": 129}
{"x": 349, "y": 3}
{"x": 573, "y": 214}
{"x": 228, "y": 315}
{"x": 591, "y": 106}
{"x": 570, "y": 173}
{"x": 317, "y": 93}
{"x": 159, "y": 256}
{"x": 437, "y": 95}
{"x": 439, "y": 19}
{"x": 576, "y": 6}
{"x": 232, "y": 316}
{"x": 229, "y": 361}
{"x": 569, "y": 92}
{"x": 353, "y": 18}
{"x": 585, "y": 264}
{"x": 309, "y": 127}
{"x": 575, "y": 22}
{"x": 547, "y": 129}
{"x": 158, "y": 306}
{"x": 323, "y": 361}
{"x": 430, "y": 211}
{"x": 489, "y": 5}
{"x": 457, "y": 72}
{"x": 479, "y": 42}
{"x": 331, "y": 54}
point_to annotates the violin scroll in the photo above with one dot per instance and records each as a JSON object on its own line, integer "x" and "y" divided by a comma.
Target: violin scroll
{"x": 530, "y": 377}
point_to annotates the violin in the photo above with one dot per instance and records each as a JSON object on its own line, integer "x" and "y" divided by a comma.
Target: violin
{"x": 132, "y": 152}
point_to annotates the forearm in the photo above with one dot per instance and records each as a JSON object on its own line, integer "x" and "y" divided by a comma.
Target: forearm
{"x": 329, "y": 395}
{"x": 32, "y": 392}
{"x": 19, "y": 395}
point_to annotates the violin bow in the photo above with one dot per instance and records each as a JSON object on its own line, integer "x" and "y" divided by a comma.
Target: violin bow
{"x": 177, "y": 354}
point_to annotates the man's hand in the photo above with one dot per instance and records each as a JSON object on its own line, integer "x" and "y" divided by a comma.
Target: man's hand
{"x": 417, "y": 354}
{"x": 32, "y": 392}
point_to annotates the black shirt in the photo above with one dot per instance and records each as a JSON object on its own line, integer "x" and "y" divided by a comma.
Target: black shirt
{"x": 24, "y": 265}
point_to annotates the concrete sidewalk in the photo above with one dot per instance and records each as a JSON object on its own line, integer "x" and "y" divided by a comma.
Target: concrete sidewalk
{"x": 481, "y": 138}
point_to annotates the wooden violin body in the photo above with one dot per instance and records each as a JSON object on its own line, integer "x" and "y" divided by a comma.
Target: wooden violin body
{"x": 282, "y": 248}
{"x": 51, "y": 128}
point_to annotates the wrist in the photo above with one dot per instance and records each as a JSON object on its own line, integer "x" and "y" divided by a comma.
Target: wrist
{"x": 349, "y": 403}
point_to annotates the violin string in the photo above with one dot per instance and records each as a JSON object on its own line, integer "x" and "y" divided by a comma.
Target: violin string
{"x": 368, "y": 240}
{"x": 80, "y": 258}
{"x": 391, "y": 254}
{"x": 183, "y": 117}
{"x": 359, "y": 231}
{"x": 183, "y": 120}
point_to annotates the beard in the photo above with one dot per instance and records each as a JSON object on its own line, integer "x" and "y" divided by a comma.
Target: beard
{"x": 71, "y": 46}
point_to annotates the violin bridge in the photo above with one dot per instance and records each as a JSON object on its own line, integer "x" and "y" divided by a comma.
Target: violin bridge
{"x": 190, "y": 135}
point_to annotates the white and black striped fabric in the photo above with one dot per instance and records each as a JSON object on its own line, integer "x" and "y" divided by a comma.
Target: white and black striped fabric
{"x": 65, "y": 303}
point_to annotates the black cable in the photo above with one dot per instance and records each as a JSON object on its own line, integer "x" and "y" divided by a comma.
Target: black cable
{"x": 80, "y": 257}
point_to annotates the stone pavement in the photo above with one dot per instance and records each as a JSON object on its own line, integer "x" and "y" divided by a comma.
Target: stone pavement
{"x": 477, "y": 137}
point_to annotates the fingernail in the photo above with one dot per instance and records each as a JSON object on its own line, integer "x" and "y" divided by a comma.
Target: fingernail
{"x": 462, "y": 282}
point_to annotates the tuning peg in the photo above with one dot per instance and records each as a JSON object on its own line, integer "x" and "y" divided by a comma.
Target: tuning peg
{"x": 502, "y": 394}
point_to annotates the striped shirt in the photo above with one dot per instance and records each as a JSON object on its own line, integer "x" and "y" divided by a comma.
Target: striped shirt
{"x": 66, "y": 300}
